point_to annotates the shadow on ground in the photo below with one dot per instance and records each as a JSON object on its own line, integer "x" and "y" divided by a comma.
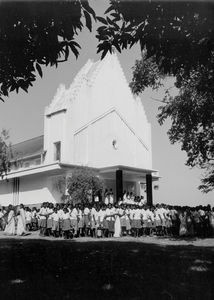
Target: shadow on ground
{"x": 42, "y": 269}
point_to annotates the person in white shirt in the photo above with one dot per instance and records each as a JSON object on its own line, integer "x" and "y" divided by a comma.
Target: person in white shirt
{"x": 43, "y": 218}
{"x": 111, "y": 197}
{"x": 80, "y": 219}
{"x": 123, "y": 220}
{"x": 137, "y": 220}
{"x": 73, "y": 217}
{"x": 150, "y": 220}
{"x": 49, "y": 218}
{"x": 158, "y": 220}
{"x": 55, "y": 222}
{"x": 66, "y": 225}
{"x": 34, "y": 219}
{"x": 28, "y": 218}
{"x": 60, "y": 214}
{"x": 86, "y": 220}
{"x": 103, "y": 226}
{"x": 94, "y": 221}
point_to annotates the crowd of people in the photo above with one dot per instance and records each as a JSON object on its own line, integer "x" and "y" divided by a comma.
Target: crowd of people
{"x": 129, "y": 216}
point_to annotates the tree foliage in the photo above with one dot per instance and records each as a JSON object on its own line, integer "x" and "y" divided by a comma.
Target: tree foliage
{"x": 176, "y": 38}
{"x": 83, "y": 185}
{"x": 5, "y": 153}
{"x": 36, "y": 34}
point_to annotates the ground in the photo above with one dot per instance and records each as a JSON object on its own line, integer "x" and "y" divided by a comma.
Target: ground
{"x": 125, "y": 268}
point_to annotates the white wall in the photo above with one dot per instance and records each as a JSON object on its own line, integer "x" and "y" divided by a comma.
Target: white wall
{"x": 6, "y": 193}
{"x": 32, "y": 190}
{"x": 85, "y": 142}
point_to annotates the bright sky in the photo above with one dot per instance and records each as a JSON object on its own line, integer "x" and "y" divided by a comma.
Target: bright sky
{"x": 23, "y": 114}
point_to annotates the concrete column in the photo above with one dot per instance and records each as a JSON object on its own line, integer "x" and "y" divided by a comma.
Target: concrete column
{"x": 119, "y": 184}
{"x": 149, "y": 189}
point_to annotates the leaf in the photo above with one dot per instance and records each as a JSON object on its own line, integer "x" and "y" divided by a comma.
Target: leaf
{"x": 110, "y": 8}
{"x": 104, "y": 53}
{"x": 74, "y": 50}
{"x": 24, "y": 88}
{"x": 89, "y": 9}
{"x": 102, "y": 20}
{"x": 66, "y": 52}
{"x": 117, "y": 47}
{"x": 39, "y": 69}
{"x": 88, "y": 20}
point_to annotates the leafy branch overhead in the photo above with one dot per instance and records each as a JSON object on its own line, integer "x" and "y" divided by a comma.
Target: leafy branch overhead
{"x": 37, "y": 34}
{"x": 176, "y": 38}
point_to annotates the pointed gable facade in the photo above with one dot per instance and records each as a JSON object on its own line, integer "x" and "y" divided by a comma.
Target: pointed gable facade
{"x": 96, "y": 122}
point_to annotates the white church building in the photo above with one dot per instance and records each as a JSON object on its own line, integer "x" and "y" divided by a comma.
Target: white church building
{"x": 96, "y": 122}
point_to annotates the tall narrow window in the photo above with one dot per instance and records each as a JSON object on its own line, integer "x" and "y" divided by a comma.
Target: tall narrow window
{"x": 57, "y": 151}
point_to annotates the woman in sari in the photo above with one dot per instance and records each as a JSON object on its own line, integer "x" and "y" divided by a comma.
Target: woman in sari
{"x": 21, "y": 220}
{"x": 10, "y": 227}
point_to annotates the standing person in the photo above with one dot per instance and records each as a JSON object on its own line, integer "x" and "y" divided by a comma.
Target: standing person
{"x": 123, "y": 220}
{"x": 73, "y": 217}
{"x": 55, "y": 222}
{"x": 28, "y": 218}
{"x": 111, "y": 197}
{"x": 60, "y": 214}
{"x": 183, "y": 224}
{"x": 80, "y": 221}
{"x": 110, "y": 217}
{"x": 144, "y": 214}
{"x": 102, "y": 222}
{"x": 211, "y": 219}
{"x": 119, "y": 213}
{"x": 1, "y": 219}
{"x": 21, "y": 220}
{"x": 94, "y": 221}
{"x": 49, "y": 218}
{"x": 106, "y": 197}
{"x": 43, "y": 219}
{"x": 189, "y": 223}
{"x": 137, "y": 220}
{"x": 34, "y": 220}
{"x": 10, "y": 227}
{"x": 66, "y": 225}
{"x": 86, "y": 219}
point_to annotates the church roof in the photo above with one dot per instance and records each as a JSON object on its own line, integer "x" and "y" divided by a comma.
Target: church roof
{"x": 28, "y": 148}
{"x": 87, "y": 73}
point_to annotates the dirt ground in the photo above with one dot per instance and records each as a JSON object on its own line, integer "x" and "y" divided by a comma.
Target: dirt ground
{"x": 125, "y": 268}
